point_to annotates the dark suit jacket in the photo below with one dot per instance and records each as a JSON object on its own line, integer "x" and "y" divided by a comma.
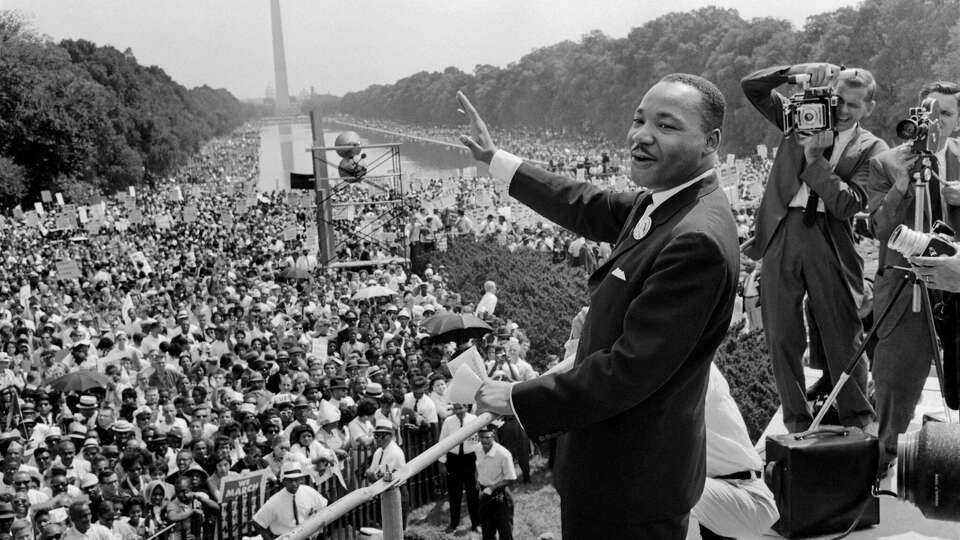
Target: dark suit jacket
{"x": 842, "y": 190}
{"x": 889, "y": 208}
{"x": 631, "y": 408}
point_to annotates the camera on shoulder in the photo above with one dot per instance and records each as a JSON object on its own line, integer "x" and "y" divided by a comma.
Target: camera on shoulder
{"x": 812, "y": 110}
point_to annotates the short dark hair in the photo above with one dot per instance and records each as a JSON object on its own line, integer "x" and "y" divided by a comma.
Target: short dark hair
{"x": 712, "y": 104}
{"x": 940, "y": 87}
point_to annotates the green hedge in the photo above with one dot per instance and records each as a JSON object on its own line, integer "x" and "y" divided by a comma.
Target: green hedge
{"x": 542, "y": 297}
{"x": 744, "y": 361}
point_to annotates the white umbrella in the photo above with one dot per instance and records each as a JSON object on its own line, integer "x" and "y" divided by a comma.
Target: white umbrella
{"x": 373, "y": 291}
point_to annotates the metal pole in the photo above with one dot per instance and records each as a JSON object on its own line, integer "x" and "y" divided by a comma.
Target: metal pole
{"x": 322, "y": 182}
{"x": 392, "y": 514}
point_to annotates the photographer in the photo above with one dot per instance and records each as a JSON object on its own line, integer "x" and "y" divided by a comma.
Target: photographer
{"x": 903, "y": 353}
{"x": 805, "y": 238}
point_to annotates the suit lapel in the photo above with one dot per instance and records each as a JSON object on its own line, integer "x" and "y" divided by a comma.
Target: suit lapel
{"x": 659, "y": 216}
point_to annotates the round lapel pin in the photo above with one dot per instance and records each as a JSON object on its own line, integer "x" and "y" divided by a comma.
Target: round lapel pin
{"x": 642, "y": 228}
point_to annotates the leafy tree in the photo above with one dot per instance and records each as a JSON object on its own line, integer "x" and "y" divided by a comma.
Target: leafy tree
{"x": 591, "y": 86}
{"x": 91, "y": 114}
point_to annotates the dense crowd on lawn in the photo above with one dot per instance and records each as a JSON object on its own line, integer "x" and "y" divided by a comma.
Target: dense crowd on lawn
{"x": 214, "y": 346}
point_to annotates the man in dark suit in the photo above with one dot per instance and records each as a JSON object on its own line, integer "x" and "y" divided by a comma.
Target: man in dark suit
{"x": 805, "y": 238}
{"x": 902, "y": 357}
{"x": 630, "y": 459}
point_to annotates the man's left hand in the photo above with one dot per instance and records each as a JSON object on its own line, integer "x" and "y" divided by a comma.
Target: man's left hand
{"x": 815, "y": 143}
{"x": 494, "y": 396}
{"x": 942, "y": 273}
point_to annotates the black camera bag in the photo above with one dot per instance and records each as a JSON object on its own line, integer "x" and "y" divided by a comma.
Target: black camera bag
{"x": 822, "y": 480}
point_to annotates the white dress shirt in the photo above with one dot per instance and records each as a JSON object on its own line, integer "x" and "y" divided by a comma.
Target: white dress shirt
{"x": 495, "y": 465}
{"x": 450, "y": 426}
{"x": 424, "y": 406}
{"x": 729, "y": 449}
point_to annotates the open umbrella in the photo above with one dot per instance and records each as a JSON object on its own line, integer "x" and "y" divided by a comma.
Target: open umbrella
{"x": 457, "y": 327}
{"x": 373, "y": 291}
{"x": 292, "y": 273}
{"x": 77, "y": 381}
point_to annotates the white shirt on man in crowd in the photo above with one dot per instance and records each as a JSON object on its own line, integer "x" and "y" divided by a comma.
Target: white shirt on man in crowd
{"x": 277, "y": 514}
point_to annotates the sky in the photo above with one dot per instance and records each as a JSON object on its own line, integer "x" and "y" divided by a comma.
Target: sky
{"x": 338, "y": 47}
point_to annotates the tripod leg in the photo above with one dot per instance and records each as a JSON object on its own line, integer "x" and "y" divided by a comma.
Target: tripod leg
{"x": 937, "y": 360}
{"x": 838, "y": 385}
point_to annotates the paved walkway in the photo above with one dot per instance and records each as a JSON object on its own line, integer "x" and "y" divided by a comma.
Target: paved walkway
{"x": 898, "y": 519}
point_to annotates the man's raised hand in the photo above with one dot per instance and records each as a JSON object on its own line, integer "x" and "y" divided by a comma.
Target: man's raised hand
{"x": 478, "y": 142}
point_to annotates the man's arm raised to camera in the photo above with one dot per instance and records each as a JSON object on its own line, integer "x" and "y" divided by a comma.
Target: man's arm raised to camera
{"x": 889, "y": 192}
{"x": 760, "y": 87}
{"x": 607, "y": 212}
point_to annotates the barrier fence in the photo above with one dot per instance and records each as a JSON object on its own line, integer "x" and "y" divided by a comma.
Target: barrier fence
{"x": 420, "y": 476}
{"x": 242, "y": 495}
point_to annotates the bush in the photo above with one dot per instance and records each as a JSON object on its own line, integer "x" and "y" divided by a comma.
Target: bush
{"x": 541, "y": 297}
{"x": 744, "y": 361}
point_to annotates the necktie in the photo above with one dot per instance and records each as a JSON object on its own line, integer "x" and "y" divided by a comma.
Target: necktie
{"x": 460, "y": 420}
{"x": 643, "y": 221}
{"x": 810, "y": 212}
{"x": 936, "y": 204}
{"x": 296, "y": 515}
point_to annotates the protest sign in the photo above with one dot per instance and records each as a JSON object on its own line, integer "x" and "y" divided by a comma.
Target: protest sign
{"x": 189, "y": 214}
{"x": 136, "y": 216}
{"x": 68, "y": 269}
{"x": 241, "y": 495}
{"x": 17, "y": 212}
{"x": 46, "y": 196}
{"x": 31, "y": 218}
{"x": 290, "y": 233}
{"x": 318, "y": 348}
{"x": 59, "y": 197}
{"x": 66, "y": 223}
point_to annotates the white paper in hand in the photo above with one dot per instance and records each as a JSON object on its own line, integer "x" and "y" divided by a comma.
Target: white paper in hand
{"x": 472, "y": 359}
{"x": 464, "y": 385}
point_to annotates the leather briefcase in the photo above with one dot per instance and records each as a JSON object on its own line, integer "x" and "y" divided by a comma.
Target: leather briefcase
{"x": 822, "y": 480}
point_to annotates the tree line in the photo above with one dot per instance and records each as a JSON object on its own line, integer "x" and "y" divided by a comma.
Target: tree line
{"x": 82, "y": 119}
{"x": 591, "y": 87}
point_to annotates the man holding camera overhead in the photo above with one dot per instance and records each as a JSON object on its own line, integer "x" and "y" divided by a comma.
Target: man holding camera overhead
{"x": 901, "y": 361}
{"x": 805, "y": 238}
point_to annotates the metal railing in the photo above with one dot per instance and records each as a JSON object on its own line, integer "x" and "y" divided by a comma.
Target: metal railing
{"x": 388, "y": 488}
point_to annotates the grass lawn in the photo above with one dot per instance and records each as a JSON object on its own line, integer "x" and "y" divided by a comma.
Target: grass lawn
{"x": 536, "y": 511}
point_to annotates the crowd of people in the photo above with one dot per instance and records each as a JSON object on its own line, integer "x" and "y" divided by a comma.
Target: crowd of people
{"x": 154, "y": 342}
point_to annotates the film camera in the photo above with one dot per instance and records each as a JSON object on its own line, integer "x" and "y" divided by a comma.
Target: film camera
{"x": 922, "y": 127}
{"x": 811, "y": 110}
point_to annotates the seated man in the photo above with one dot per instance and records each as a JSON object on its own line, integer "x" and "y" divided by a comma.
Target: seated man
{"x": 735, "y": 501}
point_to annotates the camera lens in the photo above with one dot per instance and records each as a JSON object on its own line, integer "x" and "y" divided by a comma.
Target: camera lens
{"x": 808, "y": 116}
{"x": 906, "y": 129}
{"x": 928, "y": 470}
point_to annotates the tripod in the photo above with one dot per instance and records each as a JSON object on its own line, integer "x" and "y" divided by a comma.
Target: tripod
{"x": 921, "y": 172}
